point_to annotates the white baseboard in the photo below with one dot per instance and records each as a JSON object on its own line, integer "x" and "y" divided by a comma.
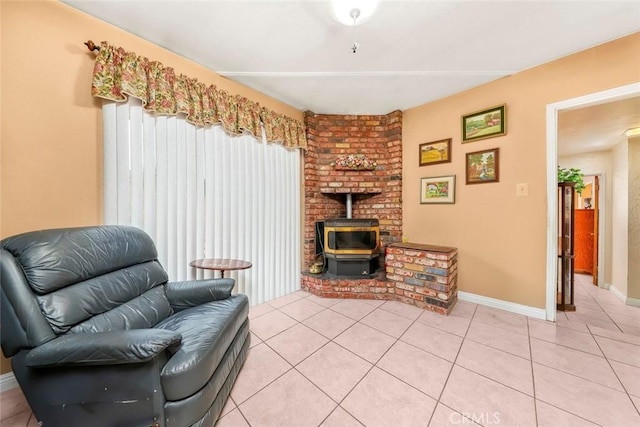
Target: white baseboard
{"x": 512, "y": 307}
{"x": 622, "y": 297}
{"x": 633, "y": 301}
{"x": 7, "y": 381}
{"x": 615, "y": 291}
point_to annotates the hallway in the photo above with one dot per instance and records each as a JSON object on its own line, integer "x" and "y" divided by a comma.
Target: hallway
{"x": 601, "y": 310}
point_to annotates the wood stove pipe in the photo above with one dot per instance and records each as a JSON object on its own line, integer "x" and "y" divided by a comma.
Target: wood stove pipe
{"x": 349, "y": 205}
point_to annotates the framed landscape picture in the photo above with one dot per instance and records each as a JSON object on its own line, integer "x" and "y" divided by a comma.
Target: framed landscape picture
{"x": 438, "y": 189}
{"x": 435, "y": 152}
{"x": 484, "y": 124}
{"x": 483, "y": 166}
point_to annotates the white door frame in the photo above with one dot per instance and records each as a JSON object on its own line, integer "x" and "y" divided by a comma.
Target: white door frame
{"x": 609, "y": 95}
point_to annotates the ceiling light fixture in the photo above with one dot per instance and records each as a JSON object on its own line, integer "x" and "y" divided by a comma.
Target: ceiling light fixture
{"x": 353, "y": 13}
{"x": 632, "y": 132}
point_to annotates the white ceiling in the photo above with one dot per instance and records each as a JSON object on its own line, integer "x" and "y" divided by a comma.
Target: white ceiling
{"x": 598, "y": 127}
{"x": 411, "y": 52}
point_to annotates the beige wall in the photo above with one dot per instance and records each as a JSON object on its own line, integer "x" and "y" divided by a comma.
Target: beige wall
{"x": 51, "y": 126}
{"x": 633, "y": 283}
{"x": 598, "y": 162}
{"x": 620, "y": 217}
{"x": 501, "y": 237}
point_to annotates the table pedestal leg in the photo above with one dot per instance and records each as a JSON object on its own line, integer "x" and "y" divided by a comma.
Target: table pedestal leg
{"x": 222, "y": 274}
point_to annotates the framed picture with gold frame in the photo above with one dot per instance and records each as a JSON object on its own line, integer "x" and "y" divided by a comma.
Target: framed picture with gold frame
{"x": 434, "y": 152}
{"x": 484, "y": 124}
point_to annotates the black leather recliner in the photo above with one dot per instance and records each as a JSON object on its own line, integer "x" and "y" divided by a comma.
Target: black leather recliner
{"x": 99, "y": 338}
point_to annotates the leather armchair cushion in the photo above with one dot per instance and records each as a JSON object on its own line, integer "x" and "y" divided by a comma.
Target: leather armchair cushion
{"x": 112, "y": 291}
{"x": 53, "y": 259}
{"x": 23, "y": 325}
{"x": 139, "y": 313}
{"x": 190, "y": 293}
{"x": 207, "y": 332}
{"x": 105, "y": 348}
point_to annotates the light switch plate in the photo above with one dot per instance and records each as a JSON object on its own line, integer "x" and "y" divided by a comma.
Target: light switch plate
{"x": 522, "y": 189}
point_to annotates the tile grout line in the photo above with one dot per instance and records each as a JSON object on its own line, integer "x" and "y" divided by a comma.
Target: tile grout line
{"x": 484, "y": 344}
{"x": 427, "y": 351}
{"x": 375, "y": 364}
{"x": 604, "y": 311}
{"x": 378, "y": 360}
{"x": 500, "y": 327}
{"x": 581, "y": 378}
{"x": 595, "y": 334}
{"x": 286, "y": 329}
{"x": 616, "y": 374}
{"x": 292, "y": 367}
{"x": 357, "y": 355}
{"x": 464, "y": 338}
{"x": 569, "y": 412}
{"x": 564, "y": 346}
{"x": 241, "y": 414}
{"x": 265, "y": 386}
{"x": 493, "y": 379}
{"x": 572, "y": 348}
{"x": 334, "y": 410}
{"x": 265, "y": 343}
{"x": 430, "y": 353}
{"x": 533, "y": 376}
{"x": 535, "y": 398}
{"x": 453, "y": 365}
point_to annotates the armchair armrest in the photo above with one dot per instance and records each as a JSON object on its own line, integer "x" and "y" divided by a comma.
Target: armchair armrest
{"x": 190, "y": 293}
{"x": 103, "y": 348}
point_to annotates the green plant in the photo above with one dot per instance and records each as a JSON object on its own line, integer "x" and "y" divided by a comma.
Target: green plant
{"x": 571, "y": 175}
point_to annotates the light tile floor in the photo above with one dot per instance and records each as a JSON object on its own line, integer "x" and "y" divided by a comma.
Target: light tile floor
{"x": 328, "y": 362}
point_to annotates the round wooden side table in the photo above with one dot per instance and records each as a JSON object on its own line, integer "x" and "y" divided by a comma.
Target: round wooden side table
{"x": 220, "y": 264}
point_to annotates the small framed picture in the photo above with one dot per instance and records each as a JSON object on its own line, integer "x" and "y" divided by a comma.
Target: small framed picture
{"x": 484, "y": 124}
{"x": 483, "y": 166}
{"x": 438, "y": 189}
{"x": 435, "y": 152}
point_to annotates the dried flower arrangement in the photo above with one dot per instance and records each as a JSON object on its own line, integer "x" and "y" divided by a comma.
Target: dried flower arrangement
{"x": 354, "y": 162}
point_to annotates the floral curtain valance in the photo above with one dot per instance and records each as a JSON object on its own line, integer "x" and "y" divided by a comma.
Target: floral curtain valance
{"x": 118, "y": 73}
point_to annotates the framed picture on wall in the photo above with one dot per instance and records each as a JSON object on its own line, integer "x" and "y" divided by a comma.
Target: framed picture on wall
{"x": 483, "y": 166}
{"x": 438, "y": 189}
{"x": 435, "y": 152}
{"x": 484, "y": 124}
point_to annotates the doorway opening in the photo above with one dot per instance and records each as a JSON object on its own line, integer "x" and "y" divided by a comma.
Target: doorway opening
{"x": 553, "y": 110}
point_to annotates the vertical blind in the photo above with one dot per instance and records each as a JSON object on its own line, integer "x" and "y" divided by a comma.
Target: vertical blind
{"x": 201, "y": 193}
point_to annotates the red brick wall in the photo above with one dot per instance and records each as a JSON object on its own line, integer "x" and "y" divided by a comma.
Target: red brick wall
{"x": 422, "y": 275}
{"x": 376, "y": 194}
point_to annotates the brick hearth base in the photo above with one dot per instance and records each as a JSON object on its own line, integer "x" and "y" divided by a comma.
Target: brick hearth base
{"x": 420, "y": 275}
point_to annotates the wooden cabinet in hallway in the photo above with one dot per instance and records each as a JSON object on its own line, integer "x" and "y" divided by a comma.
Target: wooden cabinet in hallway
{"x": 584, "y": 240}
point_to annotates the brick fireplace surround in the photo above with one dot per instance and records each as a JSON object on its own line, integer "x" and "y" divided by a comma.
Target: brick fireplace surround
{"x": 420, "y": 275}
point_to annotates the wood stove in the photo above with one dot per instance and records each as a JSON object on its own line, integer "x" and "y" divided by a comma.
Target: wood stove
{"x": 351, "y": 246}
